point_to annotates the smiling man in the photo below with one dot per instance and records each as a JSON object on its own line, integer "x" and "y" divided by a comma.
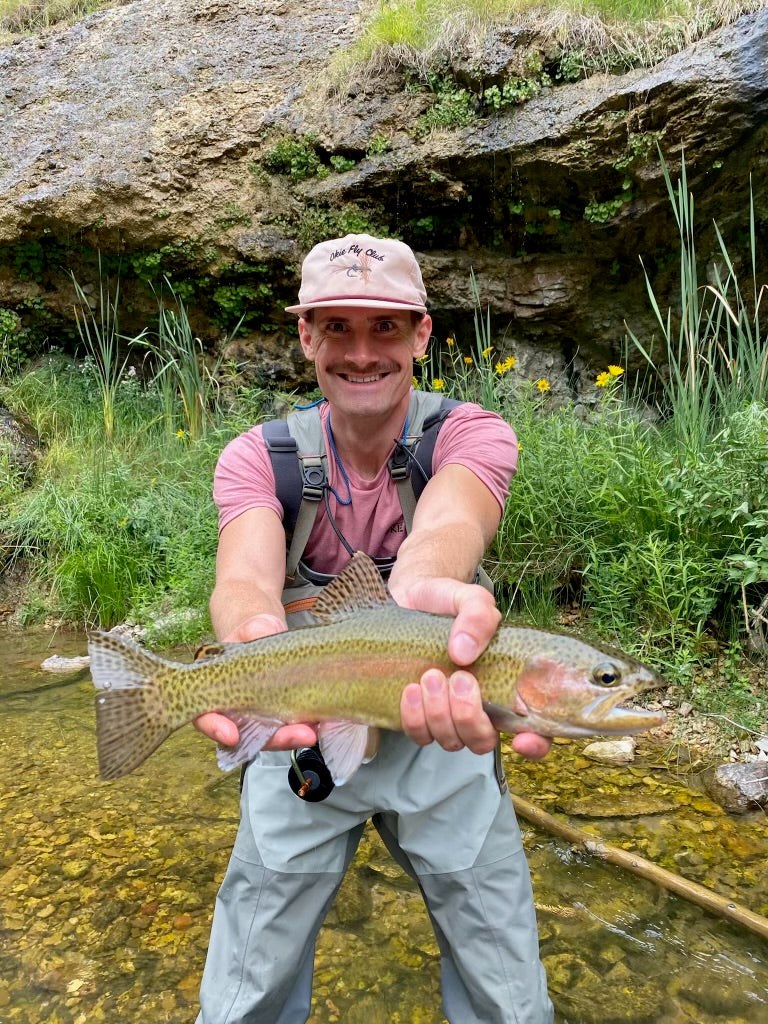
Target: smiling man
{"x": 434, "y": 793}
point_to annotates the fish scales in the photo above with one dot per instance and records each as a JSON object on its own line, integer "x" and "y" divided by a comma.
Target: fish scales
{"x": 348, "y": 673}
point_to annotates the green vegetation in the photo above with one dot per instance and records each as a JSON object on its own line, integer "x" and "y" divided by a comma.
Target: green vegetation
{"x": 424, "y": 37}
{"x": 22, "y": 16}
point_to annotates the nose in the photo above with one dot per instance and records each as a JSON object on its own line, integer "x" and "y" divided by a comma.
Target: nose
{"x": 360, "y": 348}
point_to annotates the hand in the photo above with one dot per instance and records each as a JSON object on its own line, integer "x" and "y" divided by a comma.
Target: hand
{"x": 223, "y": 730}
{"x": 449, "y": 709}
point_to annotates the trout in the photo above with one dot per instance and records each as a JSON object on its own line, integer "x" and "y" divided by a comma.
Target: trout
{"x": 347, "y": 674}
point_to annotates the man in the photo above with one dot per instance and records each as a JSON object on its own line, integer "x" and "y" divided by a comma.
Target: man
{"x": 432, "y": 792}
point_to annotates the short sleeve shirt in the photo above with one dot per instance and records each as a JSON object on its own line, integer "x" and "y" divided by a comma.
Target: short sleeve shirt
{"x": 367, "y": 512}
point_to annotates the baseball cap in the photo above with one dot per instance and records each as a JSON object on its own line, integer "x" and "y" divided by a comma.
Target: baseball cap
{"x": 359, "y": 270}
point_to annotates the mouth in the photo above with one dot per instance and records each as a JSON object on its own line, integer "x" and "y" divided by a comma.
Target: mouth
{"x": 362, "y": 378}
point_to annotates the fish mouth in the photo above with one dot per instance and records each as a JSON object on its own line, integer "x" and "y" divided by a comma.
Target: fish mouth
{"x": 600, "y": 716}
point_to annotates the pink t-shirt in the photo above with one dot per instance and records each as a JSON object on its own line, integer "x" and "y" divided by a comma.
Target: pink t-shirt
{"x": 373, "y": 521}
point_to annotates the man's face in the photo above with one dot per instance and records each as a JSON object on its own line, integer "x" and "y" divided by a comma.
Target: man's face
{"x": 364, "y": 357}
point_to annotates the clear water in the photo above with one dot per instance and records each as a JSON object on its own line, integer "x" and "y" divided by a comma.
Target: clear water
{"x": 106, "y": 889}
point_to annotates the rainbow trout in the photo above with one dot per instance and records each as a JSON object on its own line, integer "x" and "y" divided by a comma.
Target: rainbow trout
{"x": 347, "y": 674}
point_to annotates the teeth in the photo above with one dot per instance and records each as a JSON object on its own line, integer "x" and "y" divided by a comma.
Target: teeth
{"x": 363, "y": 380}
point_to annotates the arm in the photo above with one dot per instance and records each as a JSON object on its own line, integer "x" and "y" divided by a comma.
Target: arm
{"x": 456, "y": 518}
{"x": 246, "y": 605}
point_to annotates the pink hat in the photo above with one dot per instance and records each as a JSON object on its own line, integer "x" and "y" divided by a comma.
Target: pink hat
{"x": 358, "y": 270}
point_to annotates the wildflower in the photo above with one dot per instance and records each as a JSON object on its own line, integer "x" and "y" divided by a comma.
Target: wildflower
{"x": 615, "y": 371}
{"x": 450, "y": 342}
{"x": 438, "y": 384}
{"x": 487, "y": 352}
{"x": 179, "y": 433}
{"x": 414, "y": 382}
{"x": 602, "y": 379}
{"x": 542, "y": 385}
{"x": 469, "y": 360}
{"x": 509, "y": 362}
{"x": 421, "y": 359}
{"x": 499, "y": 368}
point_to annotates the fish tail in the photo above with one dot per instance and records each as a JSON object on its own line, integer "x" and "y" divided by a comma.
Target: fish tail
{"x": 131, "y": 715}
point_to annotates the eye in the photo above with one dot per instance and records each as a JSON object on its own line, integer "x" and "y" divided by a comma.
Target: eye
{"x": 606, "y": 675}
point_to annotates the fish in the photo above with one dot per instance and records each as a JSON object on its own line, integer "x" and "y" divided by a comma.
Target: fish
{"x": 346, "y": 672}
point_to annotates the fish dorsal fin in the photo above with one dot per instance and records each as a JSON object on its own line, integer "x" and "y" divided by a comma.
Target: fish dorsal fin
{"x": 359, "y": 585}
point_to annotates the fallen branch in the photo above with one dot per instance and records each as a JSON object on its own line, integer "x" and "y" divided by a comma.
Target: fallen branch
{"x": 692, "y": 891}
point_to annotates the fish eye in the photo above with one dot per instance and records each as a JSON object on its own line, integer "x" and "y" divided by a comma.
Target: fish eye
{"x": 606, "y": 675}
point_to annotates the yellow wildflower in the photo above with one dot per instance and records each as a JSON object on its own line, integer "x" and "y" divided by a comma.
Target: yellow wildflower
{"x": 509, "y": 362}
{"x": 487, "y": 352}
{"x": 468, "y": 360}
{"x": 602, "y": 379}
{"x": 438, "y": 384}
{"x": 542, "y": 385}
{"x": 414, "y": 382}
{"x": 422, "y": 359}
{"x": 499, "y": 368}
{"x": 179, "y": 433}
{"x": 450, "y": 341}
{"x": 615, "y": 371}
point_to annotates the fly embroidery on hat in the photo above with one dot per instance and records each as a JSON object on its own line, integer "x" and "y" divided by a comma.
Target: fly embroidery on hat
{"x": 360, "y": 267}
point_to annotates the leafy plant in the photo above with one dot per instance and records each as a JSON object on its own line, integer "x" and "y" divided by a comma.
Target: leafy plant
{"x": 99, "y": 334}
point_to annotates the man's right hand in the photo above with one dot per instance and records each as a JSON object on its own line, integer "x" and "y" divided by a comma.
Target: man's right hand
{"x": 222, "y": 729}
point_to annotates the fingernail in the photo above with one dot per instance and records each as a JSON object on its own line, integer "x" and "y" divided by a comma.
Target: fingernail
{"x": 462, "y": 684}
{"x": 413, "y": 695}
{"x": 465, "y": 649}
{"x": 432, "y": 683}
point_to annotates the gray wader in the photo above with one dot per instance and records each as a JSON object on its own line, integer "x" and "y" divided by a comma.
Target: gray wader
{"x": 444, "y": 818}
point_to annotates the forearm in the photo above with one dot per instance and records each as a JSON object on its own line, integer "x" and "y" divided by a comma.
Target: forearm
{"x": 234, "y": 603}
{"x": 450, "y": 550}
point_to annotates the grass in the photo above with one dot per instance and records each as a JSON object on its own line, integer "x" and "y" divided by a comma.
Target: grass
{"x": 424, "y": 36}
{"x": 19, "y": 17}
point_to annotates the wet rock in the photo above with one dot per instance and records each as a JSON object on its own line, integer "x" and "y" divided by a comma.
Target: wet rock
{"x": 621, "y": 751}
{"x": 19, "y": 444}
{"x": 58, "y": 663}
{"x": 354, "y": 902}
{"x": 581, "y": 994}
{"x": 739, "y": 788}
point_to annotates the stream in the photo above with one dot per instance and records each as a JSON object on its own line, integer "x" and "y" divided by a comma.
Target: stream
{"x": 107, "y": 888}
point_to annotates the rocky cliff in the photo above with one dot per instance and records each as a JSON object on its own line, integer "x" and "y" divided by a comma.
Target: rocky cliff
{"x": 195, "y": 140}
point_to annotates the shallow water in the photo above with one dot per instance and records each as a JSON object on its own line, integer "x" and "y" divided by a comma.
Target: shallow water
{"x": 106, "y": 889}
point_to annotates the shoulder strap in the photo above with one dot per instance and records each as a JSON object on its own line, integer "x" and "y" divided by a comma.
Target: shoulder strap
{"x": 296, "y": 449}
{"x": 411, "y": 463}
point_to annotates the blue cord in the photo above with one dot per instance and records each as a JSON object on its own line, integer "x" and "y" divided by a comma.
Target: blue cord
{"x": 340, "y": 464}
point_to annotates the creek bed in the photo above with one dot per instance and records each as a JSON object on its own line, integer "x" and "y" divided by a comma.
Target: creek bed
{"x": 106, "y": 889}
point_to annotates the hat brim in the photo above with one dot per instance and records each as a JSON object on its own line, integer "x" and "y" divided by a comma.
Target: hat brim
{"x": 301, "y": 309}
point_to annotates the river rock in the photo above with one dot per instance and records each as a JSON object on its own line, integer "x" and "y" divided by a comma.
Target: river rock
{"x": 58, "y": 663}
{"x": 739, "y": 788}
{"x": 621, "y": 751}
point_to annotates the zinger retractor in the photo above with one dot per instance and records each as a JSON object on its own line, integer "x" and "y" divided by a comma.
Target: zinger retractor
{"x": 308, "y": 775}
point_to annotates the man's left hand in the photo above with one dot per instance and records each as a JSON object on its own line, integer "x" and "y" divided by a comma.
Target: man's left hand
{"x": 449, "y": 710}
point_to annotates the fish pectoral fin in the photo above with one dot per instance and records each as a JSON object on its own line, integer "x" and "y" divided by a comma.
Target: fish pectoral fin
{"x": 344, "y": 746}
{"x": 254, "y": 731}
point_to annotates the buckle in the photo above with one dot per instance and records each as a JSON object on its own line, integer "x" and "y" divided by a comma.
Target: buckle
{"x": 315, "y": 480}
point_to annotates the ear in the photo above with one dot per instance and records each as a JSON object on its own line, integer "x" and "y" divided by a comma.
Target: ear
{"x": 306, "y": 339}
{"x": 423, "y": 334}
